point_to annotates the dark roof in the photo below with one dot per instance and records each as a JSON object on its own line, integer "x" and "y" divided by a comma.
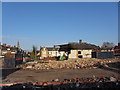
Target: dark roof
{"x": 82, "y": 46}
{"x": 11, "y": 48}
{"x": 52, "y": 49}
{"x": 106, "y": 48}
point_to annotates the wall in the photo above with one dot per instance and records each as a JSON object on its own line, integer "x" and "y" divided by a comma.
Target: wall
{"x": 104, "y": 55}
{"x": 9, "y": 61}
{"x": 43, "y": 52}
{"x": 53, "y": 53}
{"x": 84, "y": 54}
{"x": 73, "y": 54}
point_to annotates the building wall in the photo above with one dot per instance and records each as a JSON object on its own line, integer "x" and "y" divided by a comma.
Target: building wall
{"x": 9, "y": 60}
{"x": 73, "y": 54}
{"x": 86, "y": 53}
{"x": 82, "y": 54}
{"x": 104, "y": 55}
{"x": 43, "y": 52}
{"x": 106, "y": 50}
{"x": 3, "y": 52}
{"x": 53, "y": 53}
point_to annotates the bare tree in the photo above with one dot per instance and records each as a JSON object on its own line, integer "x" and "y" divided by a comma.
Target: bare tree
{"x": 33, "y": 53}
{"x": 108, "y": 45}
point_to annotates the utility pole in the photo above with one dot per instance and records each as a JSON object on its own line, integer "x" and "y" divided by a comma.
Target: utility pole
{"x": 35, "y": 53}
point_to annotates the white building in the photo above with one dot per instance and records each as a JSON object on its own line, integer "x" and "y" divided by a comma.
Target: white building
{"x": 79, "y": 49}
{"x": 49, "y": 52}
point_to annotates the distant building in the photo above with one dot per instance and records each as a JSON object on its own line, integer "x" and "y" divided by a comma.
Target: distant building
{"x": 117, "y": 50}
{"x": 107, "y": 49}
{"x": 79, "y": 49}
{"x": 74, "y": 50}
{"x": 105, "y": 53}
{"x": 49, "y": 52}
{"x": 11, "y": 56}
{"x": 7, "y": 48}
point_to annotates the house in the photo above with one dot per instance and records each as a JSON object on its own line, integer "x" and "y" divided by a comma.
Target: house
{"x": 107, "y": 49}
{"x": 49, "y": 52}
{"x": 117, "y": 50}
{"x": 80, "y": 50}
{"x": 11, "y": 56}
{"x": 75, "y": 50}
{"x": 105, "y": 53}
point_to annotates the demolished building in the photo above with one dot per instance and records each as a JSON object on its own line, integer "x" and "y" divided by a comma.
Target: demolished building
{"x": 74, "y": 50}
{"x": 80, "y": 50}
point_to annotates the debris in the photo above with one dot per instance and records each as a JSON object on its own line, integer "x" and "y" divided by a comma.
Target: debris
{"x": 113, "y": 79}
{"x": 75, "y": 83}
{"x": 29, "y": 67}
{"x": 67, "y": 64}
{"x": 56, "y": 80}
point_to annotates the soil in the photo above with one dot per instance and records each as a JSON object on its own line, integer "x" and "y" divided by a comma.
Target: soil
{"x": 20, "y": 75}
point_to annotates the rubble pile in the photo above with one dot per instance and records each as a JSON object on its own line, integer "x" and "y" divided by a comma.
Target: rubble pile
{"x": 69, "y": 84}
{"x": 66, "y": 64}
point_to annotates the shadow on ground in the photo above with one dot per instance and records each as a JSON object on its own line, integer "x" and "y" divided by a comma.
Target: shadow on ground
{"x": 6, "y": 72}
{"x": 114, "y": 67}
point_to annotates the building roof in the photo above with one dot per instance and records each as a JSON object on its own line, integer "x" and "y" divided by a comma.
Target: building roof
{"x": 11, "y": 48}
{"x": 83, "y": 46}
{"x": 52, "y": 49}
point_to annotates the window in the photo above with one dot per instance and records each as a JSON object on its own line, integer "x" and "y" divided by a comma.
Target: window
{"x": 50, "y": 52}
{"x": 79, "y": 52}
{"x": 80, "y": 56}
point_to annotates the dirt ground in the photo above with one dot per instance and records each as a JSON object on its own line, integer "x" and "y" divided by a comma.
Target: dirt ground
{"x": 20, "y": 75}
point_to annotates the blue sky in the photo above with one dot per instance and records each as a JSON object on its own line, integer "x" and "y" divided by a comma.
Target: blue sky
{"x": 48, "y": 24}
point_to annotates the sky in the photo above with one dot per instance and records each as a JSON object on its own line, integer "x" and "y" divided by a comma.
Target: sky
{"x": 56, "y": 23}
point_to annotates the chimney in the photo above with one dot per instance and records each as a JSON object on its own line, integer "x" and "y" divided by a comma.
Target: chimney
{"x": 54, "y": 46}
{"x": 80, "y": 41}
{"x": 4, "y": 44}
{"x": 8, "y": 46}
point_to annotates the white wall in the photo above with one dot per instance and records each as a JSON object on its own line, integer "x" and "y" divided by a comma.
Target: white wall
{"x": 53, "y": 53}
{"x": 73, "y": 54}
{"x": 44, "y": 52}
{"x": 84, "y": 53}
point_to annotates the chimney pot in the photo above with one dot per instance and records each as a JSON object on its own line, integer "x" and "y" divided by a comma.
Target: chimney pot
{"x": 4, "y": 44}
{"x": 54, "y": 46}
{"x": 8, "y": 46}
{"x": 80, "y": 41}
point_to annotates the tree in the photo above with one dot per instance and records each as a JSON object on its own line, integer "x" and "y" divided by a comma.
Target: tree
{"x": 33, "y": 53}
{"x": 108, "y": 45}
